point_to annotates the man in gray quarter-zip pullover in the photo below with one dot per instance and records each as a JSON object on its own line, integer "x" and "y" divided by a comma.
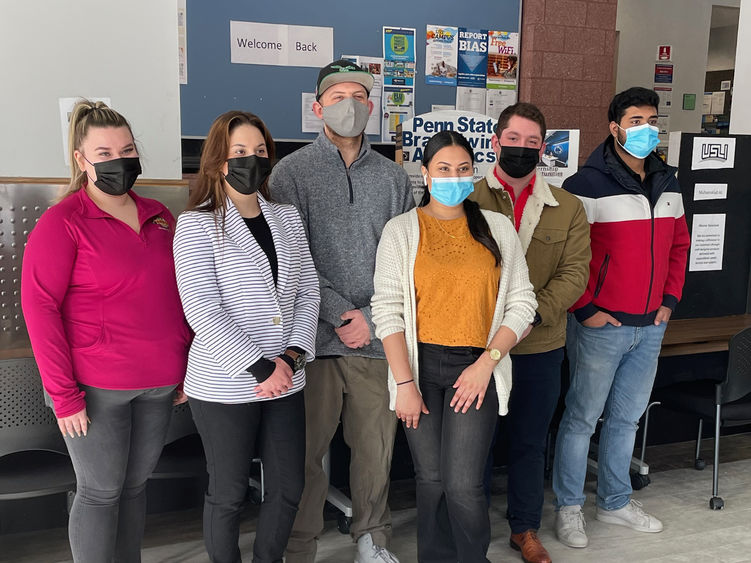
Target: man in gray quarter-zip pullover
{"x": 345, "y": 192}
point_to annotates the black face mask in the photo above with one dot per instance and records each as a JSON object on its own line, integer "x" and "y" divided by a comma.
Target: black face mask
{"x": 517, "y": 162}
{"x": 117, "y": 176}
{"x": 246, "y": 173}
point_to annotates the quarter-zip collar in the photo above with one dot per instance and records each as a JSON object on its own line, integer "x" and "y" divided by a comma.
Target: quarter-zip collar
{"x": 147, "y": 208}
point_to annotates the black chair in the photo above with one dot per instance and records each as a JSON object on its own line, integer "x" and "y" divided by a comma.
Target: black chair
{"x": 33, "y": 456}
{"x": 727, "y": 402}
{"x": 182, "y": 456}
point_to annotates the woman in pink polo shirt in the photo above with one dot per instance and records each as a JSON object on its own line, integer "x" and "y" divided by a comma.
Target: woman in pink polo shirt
{"x": 100, "y": 299}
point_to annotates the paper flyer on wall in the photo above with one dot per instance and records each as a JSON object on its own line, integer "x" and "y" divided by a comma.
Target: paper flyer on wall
{"x": 665, "y": 94}
{"x": 398, "y": 106}
{"x": 707, "y": 242}
{"x": 399, "y": 73}
{"x": 440, "y": 54}
{"x": 310, "y": 123}
{"x": 497, "y": 100}
{"x": 399, "y": 44}
{"x": 472, "y": 58}
{"x": 503, "y": 60}
{"x": 182, "y": 42}
{"x": 560, "y": 159}
{"x": 470, "y": 99}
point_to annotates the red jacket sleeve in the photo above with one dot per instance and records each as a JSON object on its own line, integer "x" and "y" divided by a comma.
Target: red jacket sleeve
{"x": 48, "y": 262}
{"x": 677, "y": 265}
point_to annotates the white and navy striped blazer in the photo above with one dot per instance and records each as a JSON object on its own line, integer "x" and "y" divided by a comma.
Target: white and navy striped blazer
{"x": 230, "y": 300}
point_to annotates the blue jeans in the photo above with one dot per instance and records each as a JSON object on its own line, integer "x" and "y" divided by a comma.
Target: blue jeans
{"x": 449, "y": 451}
{"x": 112, "y": 464}
{"x": 612, "y": 372}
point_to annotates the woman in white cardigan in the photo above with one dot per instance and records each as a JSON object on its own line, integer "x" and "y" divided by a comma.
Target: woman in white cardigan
{"x": 452, "y": 297}
{"x": 251, "y": 294}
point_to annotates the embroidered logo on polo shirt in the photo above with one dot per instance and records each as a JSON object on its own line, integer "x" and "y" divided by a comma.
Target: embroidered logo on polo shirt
{"x": 161, "y": 223}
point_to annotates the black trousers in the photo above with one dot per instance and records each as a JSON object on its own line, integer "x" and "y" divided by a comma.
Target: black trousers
{"x": 232, "y": 434}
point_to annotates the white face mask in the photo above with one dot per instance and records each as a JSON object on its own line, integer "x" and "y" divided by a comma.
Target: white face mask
{"x": 347, "y": 117}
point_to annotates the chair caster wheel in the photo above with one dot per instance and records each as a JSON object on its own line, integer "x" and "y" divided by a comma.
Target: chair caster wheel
{"x": 639, "y": 481}
{"x": 343, "y": 523}
{"x": 716, "y": 503}
{"x": 699, "y": 464}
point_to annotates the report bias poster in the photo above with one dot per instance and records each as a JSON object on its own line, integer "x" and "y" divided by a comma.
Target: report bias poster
{"x": 472, "y": 57}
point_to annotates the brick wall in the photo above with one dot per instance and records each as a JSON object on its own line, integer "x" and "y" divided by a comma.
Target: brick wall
{"x": 568, "y": 64}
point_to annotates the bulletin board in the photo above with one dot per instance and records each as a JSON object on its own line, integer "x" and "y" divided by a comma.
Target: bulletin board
{"x": 216, "y": 85}
{"x": 724, "y": 291}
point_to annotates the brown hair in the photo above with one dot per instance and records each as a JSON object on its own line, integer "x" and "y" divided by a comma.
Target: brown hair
{"x": 208, "y": 193}
{"x": 522, "y": 109}
{"x": 85, "y": 115}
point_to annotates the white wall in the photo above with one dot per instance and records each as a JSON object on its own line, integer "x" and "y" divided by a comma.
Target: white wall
{"x": 740, "y": 112}
{"x": 126, "y": 51}
{"x": 684, "y": 24}
{"x": 722, "y": 46}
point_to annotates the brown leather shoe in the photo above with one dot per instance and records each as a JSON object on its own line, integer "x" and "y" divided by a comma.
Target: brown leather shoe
{"x": 530, "y": 546}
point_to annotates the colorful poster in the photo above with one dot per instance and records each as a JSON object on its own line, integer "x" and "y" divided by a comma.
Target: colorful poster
{"x": 398, "y": 106}
{"x": 503, "y": 59}
{"x": 472, "y": 57}
{"x": 663, "y": 73}
{"x": 399, "y": 73}
{"x": 399, "y": 44}
{"x": 560, "y": 159}
{"x": 440, "y": 54}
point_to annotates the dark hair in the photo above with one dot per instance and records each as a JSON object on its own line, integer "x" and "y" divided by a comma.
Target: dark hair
{"x": 208, "y": 193}
{"x": 522, "y": 109}
{"x": 635, "y": 96}
{"x": 478, "y": 226}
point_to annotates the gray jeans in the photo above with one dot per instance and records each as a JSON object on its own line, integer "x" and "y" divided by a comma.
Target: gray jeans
{"x": 112, "y": 463}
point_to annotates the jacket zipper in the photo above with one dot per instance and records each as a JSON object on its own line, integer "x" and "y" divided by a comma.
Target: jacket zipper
{"x": 652, "y": 257}
{"x": 349, "y": 179}
{"x": 601, "y": 274}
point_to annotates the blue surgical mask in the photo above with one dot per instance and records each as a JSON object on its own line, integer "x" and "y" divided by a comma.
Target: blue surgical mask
{"x": 451, "y": 191}
{"x": 640, "y": 140}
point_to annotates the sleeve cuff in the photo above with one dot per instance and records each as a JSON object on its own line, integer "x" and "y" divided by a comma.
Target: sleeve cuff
{"x": 583, "y": 313}
{"x": 262, "y": 369}
{"x": 670, "y": 301}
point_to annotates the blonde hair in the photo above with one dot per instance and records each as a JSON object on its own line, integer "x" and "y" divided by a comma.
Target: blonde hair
{"x": 87, "y": 114}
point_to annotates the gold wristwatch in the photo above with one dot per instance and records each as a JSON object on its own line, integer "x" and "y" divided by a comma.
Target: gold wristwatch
{"x": 495, "y": 354}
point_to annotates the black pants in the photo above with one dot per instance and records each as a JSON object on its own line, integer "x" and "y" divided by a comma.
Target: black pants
{"x": 231, "y": 435}
{"x": 449, "y": 451}
{"x": 534, "y": 397}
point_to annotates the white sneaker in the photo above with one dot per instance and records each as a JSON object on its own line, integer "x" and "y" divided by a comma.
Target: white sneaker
{"x": 569, "y": 526}
{"x": 368, "y": 551}
{"x": 631, "y": 516}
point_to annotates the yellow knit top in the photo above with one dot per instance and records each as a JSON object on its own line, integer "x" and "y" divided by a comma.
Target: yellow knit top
{"x": 456, "y": 284}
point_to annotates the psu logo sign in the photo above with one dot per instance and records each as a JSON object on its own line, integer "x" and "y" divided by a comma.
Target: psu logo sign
{"x": 713, "y": 153}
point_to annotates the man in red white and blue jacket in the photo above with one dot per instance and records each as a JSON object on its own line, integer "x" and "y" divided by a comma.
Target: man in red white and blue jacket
{"x": 639, "y": 244}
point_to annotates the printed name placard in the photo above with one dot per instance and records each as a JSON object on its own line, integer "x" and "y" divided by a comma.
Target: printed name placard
{"x": 280, "y": 44}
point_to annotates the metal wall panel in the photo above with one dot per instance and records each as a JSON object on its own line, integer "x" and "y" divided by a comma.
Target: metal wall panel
{"x": 21, "y": 205}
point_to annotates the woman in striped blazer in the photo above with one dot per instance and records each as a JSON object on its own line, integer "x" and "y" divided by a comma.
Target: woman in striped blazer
{"x": 250, "y": 292}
